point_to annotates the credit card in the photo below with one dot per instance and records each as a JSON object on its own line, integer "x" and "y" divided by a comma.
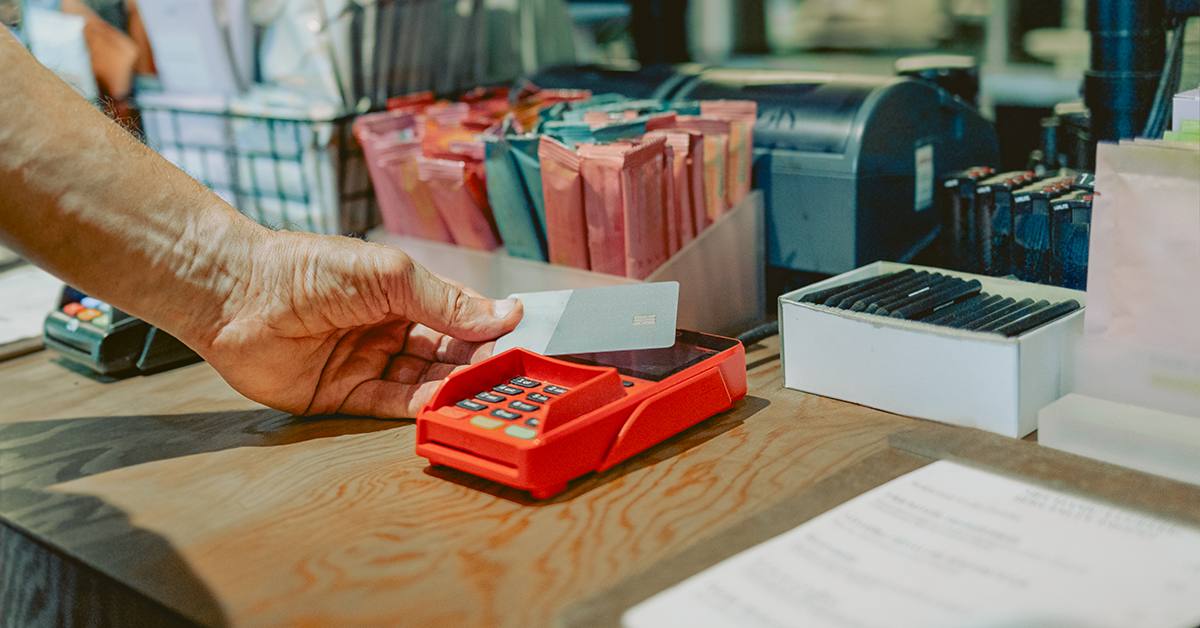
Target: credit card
{"x": 586, "y": 320}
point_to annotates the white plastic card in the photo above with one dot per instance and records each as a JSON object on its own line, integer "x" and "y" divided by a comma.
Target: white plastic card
{"x": 611, "y": 318}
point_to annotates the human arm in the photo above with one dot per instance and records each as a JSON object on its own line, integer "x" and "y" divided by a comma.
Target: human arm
{"x": 305, "y": 323}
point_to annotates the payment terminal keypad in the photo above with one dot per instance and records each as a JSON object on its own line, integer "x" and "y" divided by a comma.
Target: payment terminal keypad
{"x": 516, "y": 406}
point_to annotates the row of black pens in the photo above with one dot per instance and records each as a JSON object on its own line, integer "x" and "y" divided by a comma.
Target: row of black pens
{"x": 939, "y": 299}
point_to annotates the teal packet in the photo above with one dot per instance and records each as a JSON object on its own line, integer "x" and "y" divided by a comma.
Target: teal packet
{"x": 519, "y": 226}
{"x": 620, "y": 130}
{"x": 525, "y": 154}
{"x": 685, "y": 107}
{"x": 558, "y": 111}
{"x": 642, "y": 107}
{"x": 570, "y": 133}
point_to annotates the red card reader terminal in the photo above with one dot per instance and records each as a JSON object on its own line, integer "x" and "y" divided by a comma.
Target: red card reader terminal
{"x": 534, "y": 422}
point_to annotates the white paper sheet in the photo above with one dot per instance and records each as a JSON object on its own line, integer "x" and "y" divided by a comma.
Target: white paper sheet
{"x": 27, "y": 294}
{"x": 950, "y": 546}
{"x": 191, "y": 51}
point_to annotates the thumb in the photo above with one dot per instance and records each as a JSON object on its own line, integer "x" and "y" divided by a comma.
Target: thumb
{"x": 452, "y": 310}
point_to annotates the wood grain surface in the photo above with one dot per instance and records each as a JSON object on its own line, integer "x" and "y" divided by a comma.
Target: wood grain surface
{"x": 232, "y": 514}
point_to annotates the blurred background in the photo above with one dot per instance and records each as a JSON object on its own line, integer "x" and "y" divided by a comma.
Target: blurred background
{"x": 1029, "y": 56}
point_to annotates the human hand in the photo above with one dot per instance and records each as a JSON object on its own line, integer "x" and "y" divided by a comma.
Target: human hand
{"x": 333, "y": 325}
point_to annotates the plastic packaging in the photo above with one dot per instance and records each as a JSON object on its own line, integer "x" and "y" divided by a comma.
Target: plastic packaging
{"x": 603, "y": 206}
{"x": 388, "y": 138}
{"x": 716, "y": 156}
{"x": 448, "y": 183}
{"x": 1071, "y": 220}
{"x": 525, "y": 153}
{"x": 511, "y": 205}
{"x": 562, "y": 187}
{"x": 644, "y": 195}
{"x": 681, "y": 221}
{"x": 741, "y": 115}
{"x": 421, "y": 216}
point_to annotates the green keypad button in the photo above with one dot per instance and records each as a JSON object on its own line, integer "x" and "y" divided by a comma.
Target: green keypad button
{"x": 520, "y": 432}
{"x": 486, "y": 423}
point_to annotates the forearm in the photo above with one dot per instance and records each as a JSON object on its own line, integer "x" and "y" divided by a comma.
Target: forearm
{"x": 85, "y": 200}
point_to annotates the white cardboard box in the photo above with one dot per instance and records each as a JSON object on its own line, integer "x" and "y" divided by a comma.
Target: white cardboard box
{"x": 969, "y": 378}
{"x": 721, "y": 273}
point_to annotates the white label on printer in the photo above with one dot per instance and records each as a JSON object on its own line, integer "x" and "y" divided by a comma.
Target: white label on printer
{"x": 923, "y": 174}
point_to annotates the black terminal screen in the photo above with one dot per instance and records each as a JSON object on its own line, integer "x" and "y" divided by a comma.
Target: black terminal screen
{"x": 655, "y": 365}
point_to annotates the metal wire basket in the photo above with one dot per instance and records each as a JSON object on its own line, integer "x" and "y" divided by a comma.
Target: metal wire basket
{"x": 304, "y": 173}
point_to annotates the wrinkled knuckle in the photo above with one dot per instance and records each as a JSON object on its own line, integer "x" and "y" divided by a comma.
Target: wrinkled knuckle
{"x": 459, "y": 306}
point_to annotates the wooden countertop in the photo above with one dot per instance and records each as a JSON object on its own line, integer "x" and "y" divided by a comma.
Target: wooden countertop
{"x": 233, "y": 514}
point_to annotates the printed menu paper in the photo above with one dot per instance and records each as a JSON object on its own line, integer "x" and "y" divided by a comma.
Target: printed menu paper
{"x": 950, "y": 546}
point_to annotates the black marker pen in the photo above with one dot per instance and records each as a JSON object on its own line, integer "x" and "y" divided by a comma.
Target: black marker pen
{"x": 909, "y": 284}
{"x": 1014, "y": 316}
{"x": 902, "y": 292}
{"x": 939, "y": 285}
{"x": 1040, "y": 317}
{"x": 1000, "y": 313}
{"x": 969, "y": 308}
{"x": 846, "y": 299}
{"x": 820, "y": 295}
{"x": 967, "y": 319}
{"x": 923, "y": 307}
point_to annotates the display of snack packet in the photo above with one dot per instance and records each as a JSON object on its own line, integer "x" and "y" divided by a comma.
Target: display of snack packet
{"x": 644, "y": 195}
{"x": 449, "y": 185}
{"x": 562, "y": 188}
{"x": 661, "y": 120}
{"x": 741, "y": 115}
{"x": 443, "y": 126}
{"x": 569, "y": 133}
{"x": 600, "y": 118}
{"x": 681, "y": 222}
{"x": 716, "y": 154}
{"x": 625, "y": 130}
{"x": 672, "y": 214}
{"x": 525, "y": 153}
{"x": 604, "y": 206}
{"x": 421, "y": 216}
{"x": 624, "y": 199}
{"x": 412, "y": 103}
{"x": 623, "y": 108}
{"x": 386, "y": 138}
{"x": 472, "y": 154}
{"x": 511, "y": 206}
{"x": 697, "y": 188}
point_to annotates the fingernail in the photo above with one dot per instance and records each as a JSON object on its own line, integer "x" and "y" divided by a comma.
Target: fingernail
{"x": 501, "y": 308}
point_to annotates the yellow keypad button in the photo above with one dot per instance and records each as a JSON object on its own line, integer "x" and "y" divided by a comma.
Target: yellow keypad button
{"x": 486, "y": 423}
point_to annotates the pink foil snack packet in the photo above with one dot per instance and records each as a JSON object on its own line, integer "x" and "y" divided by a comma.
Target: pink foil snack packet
{"x": 644, "y": 192}
{"x": 379, "y": 134}
{"x": 741, "y": 115}
{"x": 562, "y": 187}
{"x": 604, "y": 206}
{"x": 681, "y": 217}
{"x": 420, "y": 216}
{"x": 449, "y": 185}
{"x": 716, "y": 155}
